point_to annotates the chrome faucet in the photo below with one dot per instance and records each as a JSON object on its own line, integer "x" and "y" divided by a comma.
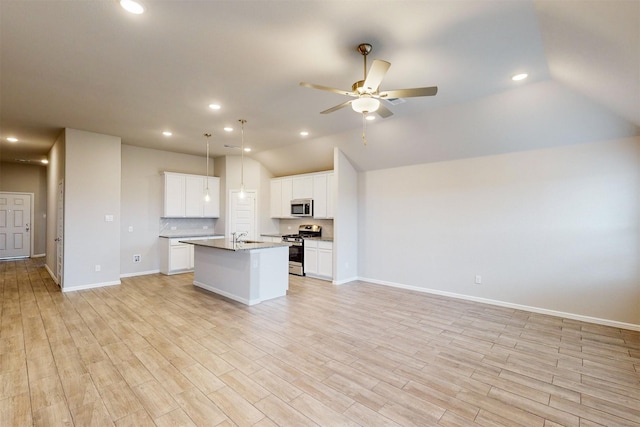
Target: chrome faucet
{"x": 238, "y": 236}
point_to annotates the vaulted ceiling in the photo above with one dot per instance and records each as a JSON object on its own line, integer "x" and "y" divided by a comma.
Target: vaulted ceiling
{"x": 90, "y": 65}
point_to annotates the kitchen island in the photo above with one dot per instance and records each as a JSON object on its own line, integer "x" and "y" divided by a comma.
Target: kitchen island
{"x": 249, "y": 272}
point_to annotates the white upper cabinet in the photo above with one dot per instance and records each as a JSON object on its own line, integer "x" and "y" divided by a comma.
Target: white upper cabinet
{"x": 317, "y": 186}
{"x": 323, "y": 195}
{"x": 174, "y": 195}
{"x": 281, "y": 195}
{"x": 302, "y": 187}
{"x": 212, "y": 207}
{"x": 184, "y": 196}
{"x": 331, "y": 194}
{"x": 194, "y": 196}
{"x": 320, "y": 196}
{"x": 286, "y": 196}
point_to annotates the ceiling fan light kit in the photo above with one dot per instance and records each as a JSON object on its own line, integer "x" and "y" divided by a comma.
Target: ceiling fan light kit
{"x": 366, "y": 91}
{"x": 365, "y": 104}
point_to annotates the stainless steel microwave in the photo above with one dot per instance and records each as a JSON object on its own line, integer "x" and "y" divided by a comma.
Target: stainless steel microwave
{"x": 302, "y": 207}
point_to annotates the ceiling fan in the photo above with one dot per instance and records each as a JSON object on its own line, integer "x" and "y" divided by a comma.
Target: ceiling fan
{"x": 366, "y": 92}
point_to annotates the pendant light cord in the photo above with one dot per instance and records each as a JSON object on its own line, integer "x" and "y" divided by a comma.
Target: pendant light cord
{"x": 242, "y": 122}
{"x": 208, "y": 135}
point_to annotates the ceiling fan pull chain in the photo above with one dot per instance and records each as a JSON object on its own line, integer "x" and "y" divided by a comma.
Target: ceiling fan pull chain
{"x": 364, "y": 123}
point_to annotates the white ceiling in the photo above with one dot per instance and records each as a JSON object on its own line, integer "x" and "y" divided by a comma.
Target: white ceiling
{"x": 89, "y": 65}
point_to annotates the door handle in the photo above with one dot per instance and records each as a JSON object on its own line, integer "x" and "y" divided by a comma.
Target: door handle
{"x": 27, "y": 225}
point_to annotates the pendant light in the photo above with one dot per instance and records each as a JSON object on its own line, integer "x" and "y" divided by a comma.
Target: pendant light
{"x": 207, "y": 197}
{"x": 242, "y": 193}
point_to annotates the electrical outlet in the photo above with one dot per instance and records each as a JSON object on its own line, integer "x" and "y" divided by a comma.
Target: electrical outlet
{"x": 137, "y": 258}
{"x": 97, "y": 267}
{"x": 478, "y": 279}
{"x": 131, "y": 229}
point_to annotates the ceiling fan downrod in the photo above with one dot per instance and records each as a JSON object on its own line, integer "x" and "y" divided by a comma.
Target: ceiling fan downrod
{"x": 364, "y": 49}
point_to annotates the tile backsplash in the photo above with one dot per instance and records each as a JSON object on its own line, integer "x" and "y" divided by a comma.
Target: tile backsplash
{"x": 290, "y": 226}
{"x": 168, "y": 224}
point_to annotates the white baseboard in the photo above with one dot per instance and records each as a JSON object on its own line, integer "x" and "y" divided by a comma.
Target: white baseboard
{"x": 90, "y": 286}
{"x": 226, "y": 294}
{"x": 51, "y": 273}
{"x": 343, "y": 281}
{"x": 572, "y": 316}
{"x": 139, "y": 273}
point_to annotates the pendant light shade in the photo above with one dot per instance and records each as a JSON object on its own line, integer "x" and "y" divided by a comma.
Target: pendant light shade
{"x": 365, "y": 104}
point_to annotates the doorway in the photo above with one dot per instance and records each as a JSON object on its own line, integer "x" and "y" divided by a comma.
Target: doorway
{"x": 243, "y": 214}
{"x": 15, "y": 224}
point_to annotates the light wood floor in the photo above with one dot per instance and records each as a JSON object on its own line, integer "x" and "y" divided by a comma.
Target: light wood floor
{"x": 157, "y": 351}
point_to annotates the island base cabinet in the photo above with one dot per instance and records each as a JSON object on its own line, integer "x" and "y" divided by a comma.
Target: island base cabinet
{"x": 318, "y": 259}
{"x": 249, "y": 277}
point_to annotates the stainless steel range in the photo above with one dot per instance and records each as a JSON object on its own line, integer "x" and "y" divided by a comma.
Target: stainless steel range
{"x": 296, "y": 246}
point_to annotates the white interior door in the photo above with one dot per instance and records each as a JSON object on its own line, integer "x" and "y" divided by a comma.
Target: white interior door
{"x": 59, "y": 233}
{"x": 15, "y": 225}
{"x": 243, "y": 214}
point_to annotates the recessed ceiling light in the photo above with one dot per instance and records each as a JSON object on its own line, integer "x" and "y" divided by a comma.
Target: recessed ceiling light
{"x": 167, "y": 133}
{"x": 44, "y": 161}
{"x": 247, "y": 149}
{"x": 370, "y": 117}
{"x": 519, "y": 77}
{"x": 228, "y": 129}
{"x": 304, "y": 133}
{"x": 132, "y": 6}
{"x": 214, "y": 106}
{"x": 12, "y": 139}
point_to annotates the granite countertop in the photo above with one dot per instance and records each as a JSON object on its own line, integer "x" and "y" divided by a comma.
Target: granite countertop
{"x": 271, "y": 235}
{"x": 324, "y": 239}
{"x": 170, "y": 234}
{"x": 230, "y": 246}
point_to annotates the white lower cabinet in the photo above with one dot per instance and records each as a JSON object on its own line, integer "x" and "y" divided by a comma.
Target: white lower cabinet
{"x": 318, "y": 259}
{"x": 176, "y": 257}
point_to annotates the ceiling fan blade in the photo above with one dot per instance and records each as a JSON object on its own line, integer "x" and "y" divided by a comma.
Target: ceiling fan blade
{"x": 384, "y": 112}
{"x": 377, "y": 72}
{"x": 330, "y": 89}
{"x": 409, "y": 93}
{"x": 337, "y": 107}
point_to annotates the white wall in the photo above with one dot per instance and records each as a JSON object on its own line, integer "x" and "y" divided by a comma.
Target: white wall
{"x": 345, "y": 222}
{"x": 142, "y": 202}
{"x": 257, "y": 178}
{"x": 25, "y": 178}
{"x": 555, "y": 229}
{"x": 55, "y": 173}
{"x": 91, "y": 191}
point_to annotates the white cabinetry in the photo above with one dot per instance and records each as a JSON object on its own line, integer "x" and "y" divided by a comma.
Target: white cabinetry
{"x": 176, "y": 257}
{"x": 323, "y": 195}
{"x": 174, "y": 195}
{"x": 212, "y": 207}
{"x": 316, "y": 186}
{"x": 281, "y": 195}
{"x": 184, "y": 196}
{"x": 318, "y": 259}
{"x": 302, "y": 187}
{"x": 287, "y": 195}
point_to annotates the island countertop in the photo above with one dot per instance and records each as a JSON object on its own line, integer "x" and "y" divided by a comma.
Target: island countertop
{"x": 228, "y": 245}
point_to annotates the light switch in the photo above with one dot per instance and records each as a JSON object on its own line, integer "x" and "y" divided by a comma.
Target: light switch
{"x": 131, "y": 229}
{"x": 108, "y": 218}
